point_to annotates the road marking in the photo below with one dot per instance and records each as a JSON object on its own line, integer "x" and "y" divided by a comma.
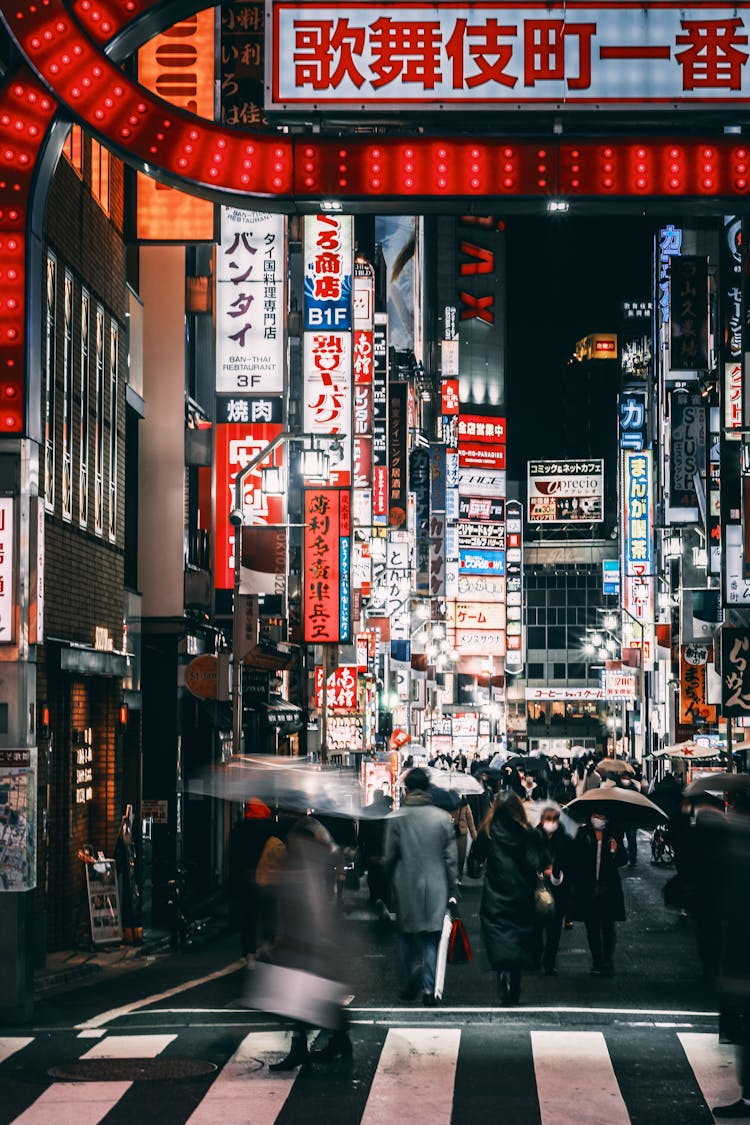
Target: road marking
{"x": 415, "y": 1077}
{"x": 92, "y": 1033}
{"x": 125, "y": 1009}
{"x": 10, "y": 1045}
{"x": 87, "y": 1103}
{"x": 240, "y": 1086}
{"x": 713, "y": 1065}
{"x": 575, "y": 1079}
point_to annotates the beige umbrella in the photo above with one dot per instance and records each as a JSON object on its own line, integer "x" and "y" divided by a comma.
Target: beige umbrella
{"x": 614, "y": 767}
{"x": 625, "y": 805}
{"x": 688, "y": 751}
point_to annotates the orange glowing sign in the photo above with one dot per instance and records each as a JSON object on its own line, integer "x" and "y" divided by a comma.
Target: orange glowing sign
{"x": 178, "y": 65}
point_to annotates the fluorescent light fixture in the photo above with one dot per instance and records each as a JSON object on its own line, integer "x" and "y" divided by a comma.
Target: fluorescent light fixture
{"x": 273, "y": 480}
{"x": 331, "y": 205}
{"x": 557, "y": 205}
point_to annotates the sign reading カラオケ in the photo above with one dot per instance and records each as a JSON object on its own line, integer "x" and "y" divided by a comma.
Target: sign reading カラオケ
{"x": 448, "y": 54}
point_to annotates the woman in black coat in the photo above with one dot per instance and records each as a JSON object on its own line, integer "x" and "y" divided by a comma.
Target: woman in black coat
{"x": 561, "y": 858}
{"x": 510, "y": 928}
{"x": 598, "y": 900}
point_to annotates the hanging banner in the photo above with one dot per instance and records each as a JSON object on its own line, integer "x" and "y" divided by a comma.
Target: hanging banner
{"x": 694, "y": 710}
{"x": 328, "y": 402}
{"x": 7, "y": 569}
{"x": 250, "y": 303}
{"x": 327, "y": 594}
{"x": 419, "y": 485}
{"x": 735, "y": 672}
{"x": 632, "y": 420}
{"x": 638, "y": 537}
{"x": 687, "y": 459}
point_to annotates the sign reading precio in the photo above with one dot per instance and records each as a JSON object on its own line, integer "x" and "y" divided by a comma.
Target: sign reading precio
{"x": 566, "y": 491}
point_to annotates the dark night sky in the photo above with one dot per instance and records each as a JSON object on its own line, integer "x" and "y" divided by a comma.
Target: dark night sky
{"x": 567, "y": 277}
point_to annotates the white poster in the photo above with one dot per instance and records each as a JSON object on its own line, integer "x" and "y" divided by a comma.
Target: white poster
{"x": 328, "y": 402}
{"x": 7, "y": 561}
{"x": 250, "y": 303}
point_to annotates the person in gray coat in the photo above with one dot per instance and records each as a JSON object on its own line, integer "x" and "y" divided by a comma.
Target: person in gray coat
{"x": 420, "y": 858}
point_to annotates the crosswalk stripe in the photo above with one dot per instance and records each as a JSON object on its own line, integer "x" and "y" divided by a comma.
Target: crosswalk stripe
{"x": 575, "y": 1079}
{"x": 12, "y": 1044}
{"x": 86, "y": 1103}
{"x": 239, "y": 1085}
{"x": 415, "y": 1077}
{"x": 713, "y": 1065}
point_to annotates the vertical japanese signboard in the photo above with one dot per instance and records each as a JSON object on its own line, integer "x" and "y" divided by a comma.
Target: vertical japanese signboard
{"x": 327, "y": 360}
{"x": 419, "y": 483}
{"x": 638, "y": 512}
{"x": 380, "y": 420}
{"x": 694, "y": 708}
{"x": 688, "y": 313}
{"x": 398, "y": 479}
{"x": 243, "y": 25}
{"x": 632, "y": 420}
{"x": 687, "y": 445}
{"x": 327, "y": 543}
{"x": 515, "y": 647}
{"x": 250, "y": 303}
{"x": 7, "y": 568}
{"x": 735, "y": 672}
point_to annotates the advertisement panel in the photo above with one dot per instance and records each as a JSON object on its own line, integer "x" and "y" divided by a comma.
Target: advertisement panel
{"x": 475, "y": 453}
{"x": 687, "y": 445}
{"x": 648, "y": 54}
{"x": 7, "y": 569}
{"x": 514, "y": 598}
{"x": 481, "y": 508}
{"x": 694, "y": 710}
{"x": 735, "y": 672}
{"x": 480, "y": 642}
{"x": 398, "y": 480}
{"x": 236, "y": 445}
{"x": 481, "y": 562}
{"x": 18, "y": 830}
{"x": 327, "y": 594}
{"x": 481, "y": 428}
{"x": 481, "y": 534}
{"x": 688, "y": 324}
{"x": 478, "y": 615}
{"x": 566, "y": 491}
{"x": 480, "y": 587}
{"x": 482, "y": 482}
{"x": 250, "y": 303}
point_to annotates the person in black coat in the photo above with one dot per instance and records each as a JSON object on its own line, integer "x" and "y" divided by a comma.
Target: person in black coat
{"x": 560, "y": 863}
{"x": 598, "y": 900}
{"x": 511, "y": 933}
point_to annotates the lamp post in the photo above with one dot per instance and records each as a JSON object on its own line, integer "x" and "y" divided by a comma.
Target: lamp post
{"x": 237, "y": 519}
{"x": 641, "y": 680}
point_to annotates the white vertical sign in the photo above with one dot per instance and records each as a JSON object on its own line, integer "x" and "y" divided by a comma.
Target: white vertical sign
{"x": 7, "y": 561}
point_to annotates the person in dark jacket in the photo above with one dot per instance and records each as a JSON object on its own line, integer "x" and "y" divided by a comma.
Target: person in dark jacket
{"x": 511, "y": 932}
{"x": 560, "y": 851}
{"x": 249, "y": 908}
{"x": 598, "y": 900}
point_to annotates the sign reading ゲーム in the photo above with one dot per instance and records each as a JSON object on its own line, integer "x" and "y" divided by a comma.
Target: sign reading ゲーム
{"x": 449, "y": 54}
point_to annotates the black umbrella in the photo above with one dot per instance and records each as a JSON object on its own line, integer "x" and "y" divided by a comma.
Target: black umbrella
{"x": 719, "y": 783}
{"x": 447, "y": 799}
{"x": 527, "y": 762}
{"x": 625, "y": 805}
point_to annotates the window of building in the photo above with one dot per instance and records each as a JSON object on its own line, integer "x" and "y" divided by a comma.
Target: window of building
{"x": 83, "y": 463}
{"x": 100, "y": 175}
{"x": 114, "y": 343}
{"x": 559, "y": 671}
{"x": 536, "y": 671}
{"x": 50, "y": 355}
{"x": 73, "y": 148}
{"x": 67, "y": 401}
{"x": 99, "y": 424}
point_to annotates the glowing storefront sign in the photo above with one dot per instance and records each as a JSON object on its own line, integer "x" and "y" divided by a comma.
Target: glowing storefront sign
{"x": 7, "y": 573}
{"x": 566, "y": 491}
{"x": 327, "y": 595}
{"x": 328, "y": 271}
{"x": 637, "y": 476}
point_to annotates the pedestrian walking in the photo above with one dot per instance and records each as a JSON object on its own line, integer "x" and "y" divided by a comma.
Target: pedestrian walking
{"x": 511, "y": 930}
{"x": 247, "y": 841}
{"x": 560, "y": 853}
{"x": 464, "y": 826}
{"x": 598, "y": 900}
{"x": 421, "y": 861}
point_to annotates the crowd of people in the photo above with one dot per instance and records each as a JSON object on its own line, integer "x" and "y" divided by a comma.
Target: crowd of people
{"x": 541, "y": 870}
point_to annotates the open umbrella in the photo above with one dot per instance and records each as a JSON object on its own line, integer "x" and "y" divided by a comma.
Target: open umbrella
{"x": 285, "y": 783}
{"x": 613, "y": 767}
{"x": 688, "y": 751}
{"x": 719, "y": 783}
{"x": 527, "y": 762}
{"x": 625, "y": 805}
{"x": 461, "y": 783}
{"x": 447, "y": 799}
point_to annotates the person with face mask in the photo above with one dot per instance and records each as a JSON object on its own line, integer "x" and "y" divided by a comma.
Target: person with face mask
{"x": 559, "y": 848}
{"x": 598, "y": 900}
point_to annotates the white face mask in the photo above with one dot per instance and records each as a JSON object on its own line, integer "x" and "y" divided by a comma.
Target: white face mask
{"x": 549, "y": 826}
{"x": 598, "y": 822}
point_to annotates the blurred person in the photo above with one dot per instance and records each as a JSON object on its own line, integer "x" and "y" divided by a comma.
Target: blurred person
{"x": 297, "y": 977}
{"x": 372, "y": 850}
{"x": 463, "y": 823}
{"x": 695, "y": 889}
{"x": 247, "y": 841}
{"x": 667, "y": 794}
{"x": 421, "y": 862}
{"x": 598, "y": 900}
{"x": 626, "y": 781}
{"x": 511, "y": 931}
{"x": 560, "y": 862}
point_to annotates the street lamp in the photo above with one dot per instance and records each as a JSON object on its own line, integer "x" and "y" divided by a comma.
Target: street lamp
{"x": 237, "y": 519}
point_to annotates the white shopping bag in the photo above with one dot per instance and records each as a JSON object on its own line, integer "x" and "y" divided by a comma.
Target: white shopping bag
{"x": 442, "y": 955}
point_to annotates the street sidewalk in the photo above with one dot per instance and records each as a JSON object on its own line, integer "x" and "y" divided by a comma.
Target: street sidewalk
{"x": 69, "y": 968}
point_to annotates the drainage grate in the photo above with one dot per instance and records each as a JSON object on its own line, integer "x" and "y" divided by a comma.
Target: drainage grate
{"x": 130, "y": 1070}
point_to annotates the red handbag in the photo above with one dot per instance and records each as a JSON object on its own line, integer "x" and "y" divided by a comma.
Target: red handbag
{"x": 459, "y": 947}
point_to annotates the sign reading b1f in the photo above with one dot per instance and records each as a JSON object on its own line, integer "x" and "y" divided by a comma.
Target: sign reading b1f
{"x": 328, "y": 271}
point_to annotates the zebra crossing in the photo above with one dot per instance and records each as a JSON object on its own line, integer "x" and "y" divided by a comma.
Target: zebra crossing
{"x": 423, "y": 1075}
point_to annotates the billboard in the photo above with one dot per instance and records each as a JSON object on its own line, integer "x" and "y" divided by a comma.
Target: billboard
{"x": 638, "y": 499}
{"x": 650, "y": 55}
{"x": 328, "y": 271}
{"x": 566, "y": 491}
